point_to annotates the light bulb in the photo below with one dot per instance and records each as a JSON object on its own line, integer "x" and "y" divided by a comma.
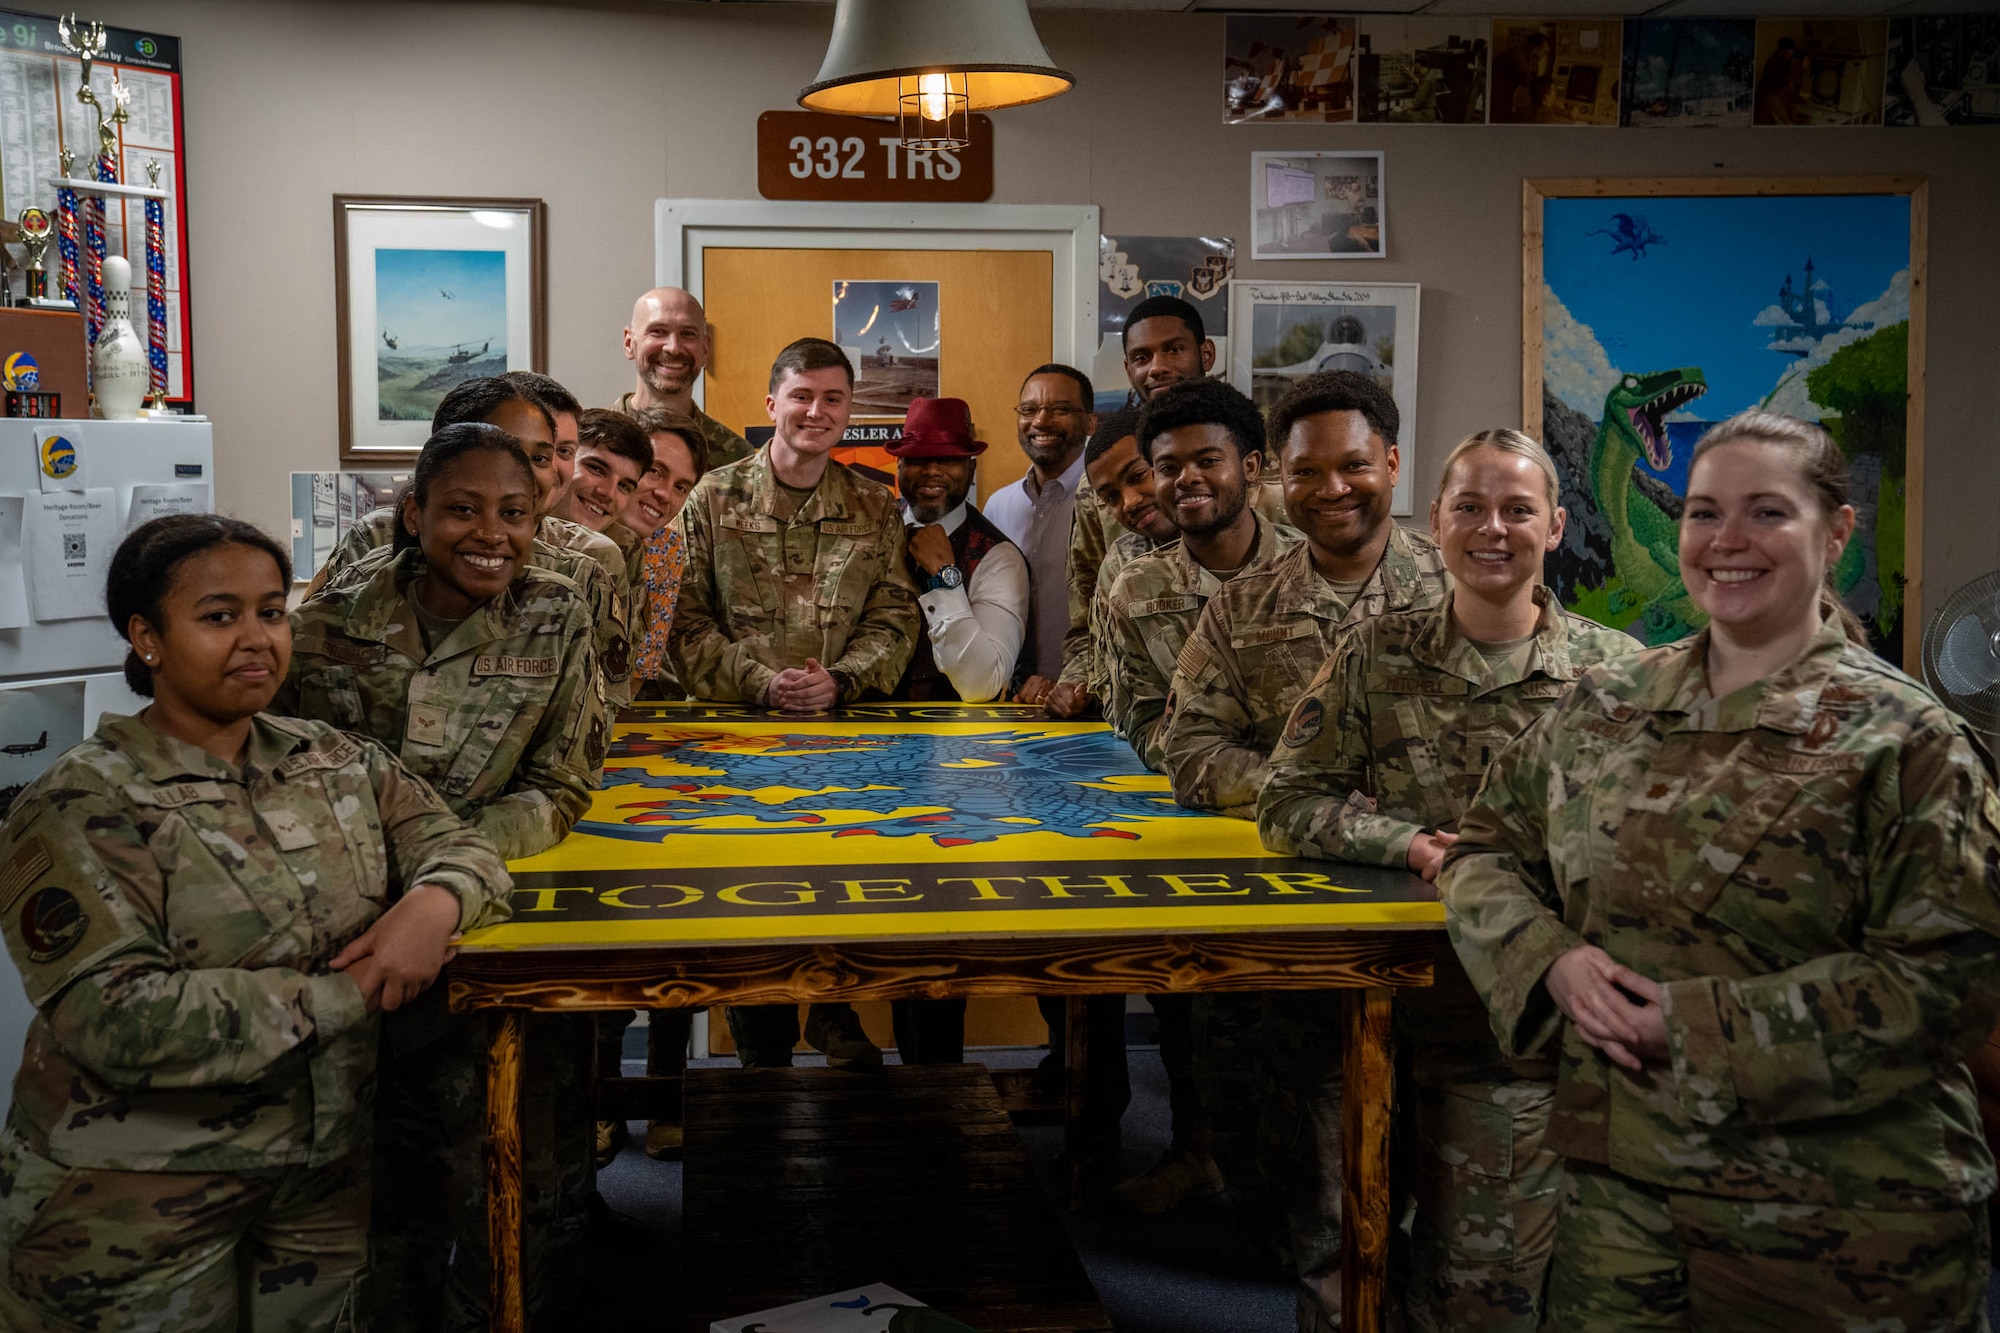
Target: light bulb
{"x": 934, "y": 87}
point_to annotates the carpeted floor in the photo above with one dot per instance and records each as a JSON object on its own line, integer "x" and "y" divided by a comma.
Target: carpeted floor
{"x": 1189, "y": 1271}
{"x": 1186, "y": 1272}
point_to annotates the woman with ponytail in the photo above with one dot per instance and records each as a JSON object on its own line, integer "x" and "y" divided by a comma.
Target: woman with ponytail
{"x": 1747, "y": 888}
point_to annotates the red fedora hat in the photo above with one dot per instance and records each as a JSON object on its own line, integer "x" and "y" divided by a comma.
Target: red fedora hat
{"x": 938, "y": 428}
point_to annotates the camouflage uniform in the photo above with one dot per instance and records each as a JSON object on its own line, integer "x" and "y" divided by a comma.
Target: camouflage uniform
{"x": 1268, "y": 1064}
{"x": 763, "y": 592}
{"x": 767, "y": 588}
{"x": 188, "y": 1145}
{"x": 724, "y": 444}
{"x": 1393, "y": 737}
{"x": 505, "y": 719}
{"x": 1810, "y": 867}
{"x": 1094, "y": 538}
{"x": 1148, "y": 614}
{"x": 1092, "y": 533}
{"x": 591, "y": 561}
{"x": 1254, "y": 651}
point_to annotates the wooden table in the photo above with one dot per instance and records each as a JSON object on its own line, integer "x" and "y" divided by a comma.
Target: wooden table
{"x": 888, "y": 851}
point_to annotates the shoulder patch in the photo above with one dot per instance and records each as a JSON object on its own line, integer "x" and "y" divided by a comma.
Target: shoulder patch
{"x": 31, "y": 861}
{"x": 501, "y": 664}
{"x": 1990, "y": 808}
{"x": 177, "y": 795}
{"x": 1193, "y": 658}
{"x": 1305, "y": 722}
{"x": 338, "y": 752}
{"x": 52, "y": 923}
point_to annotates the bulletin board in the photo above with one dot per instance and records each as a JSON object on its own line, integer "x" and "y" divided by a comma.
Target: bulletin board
{"x": 40, "y": 116}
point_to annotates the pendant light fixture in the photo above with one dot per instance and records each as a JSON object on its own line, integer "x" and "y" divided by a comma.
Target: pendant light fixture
{"x": 931, "y": 63}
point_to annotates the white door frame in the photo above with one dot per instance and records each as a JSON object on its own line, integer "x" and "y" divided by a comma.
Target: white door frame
{"x": 683, "y": 228}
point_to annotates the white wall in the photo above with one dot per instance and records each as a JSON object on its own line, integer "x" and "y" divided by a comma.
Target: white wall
{"x": 602, "y": 108}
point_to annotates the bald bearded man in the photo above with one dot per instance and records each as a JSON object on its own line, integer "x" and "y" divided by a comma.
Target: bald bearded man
{"x": 667, "y": 343}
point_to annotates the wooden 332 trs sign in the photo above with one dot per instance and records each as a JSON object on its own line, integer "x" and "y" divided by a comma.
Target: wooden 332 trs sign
{"x": 849, "y": 159}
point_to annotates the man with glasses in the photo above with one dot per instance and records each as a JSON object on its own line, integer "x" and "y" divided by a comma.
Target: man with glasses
{"x": 1051, "y": 421}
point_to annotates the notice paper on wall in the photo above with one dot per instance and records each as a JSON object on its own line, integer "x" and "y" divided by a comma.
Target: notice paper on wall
{"x": 70, "y": 537}
{"x": 151, "y": 502}
{"x": 13, "y": 591}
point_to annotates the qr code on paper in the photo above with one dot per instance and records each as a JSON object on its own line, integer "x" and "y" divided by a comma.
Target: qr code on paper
{"x": 73, "y": 548}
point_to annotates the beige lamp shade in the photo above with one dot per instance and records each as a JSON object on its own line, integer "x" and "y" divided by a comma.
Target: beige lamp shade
{"x": 877, "y": 44}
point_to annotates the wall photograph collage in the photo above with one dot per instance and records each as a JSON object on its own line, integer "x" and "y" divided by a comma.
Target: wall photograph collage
{"x": 1608, "y": 72}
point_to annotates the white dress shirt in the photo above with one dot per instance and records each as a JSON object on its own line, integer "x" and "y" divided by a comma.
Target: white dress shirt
{"x": 1036, "y": 517}
{"x": 976, "y": 628}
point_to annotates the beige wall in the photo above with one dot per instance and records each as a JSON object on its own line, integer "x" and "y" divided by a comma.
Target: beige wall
{"x": 601, "y": 109}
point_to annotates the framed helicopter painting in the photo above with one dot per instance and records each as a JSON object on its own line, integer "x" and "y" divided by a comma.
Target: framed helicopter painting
{"x": 430, "y": 293}
{"x": 1280, "y": 331}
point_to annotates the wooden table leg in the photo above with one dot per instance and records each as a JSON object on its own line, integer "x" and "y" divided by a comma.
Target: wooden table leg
{"x": 1368, "y": 1099}
{"x": 503, "y": 1170}
{"x": 1076, "y": 1070}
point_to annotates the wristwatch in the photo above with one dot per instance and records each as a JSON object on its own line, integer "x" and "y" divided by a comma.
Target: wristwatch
{"x": 948, "y": 577}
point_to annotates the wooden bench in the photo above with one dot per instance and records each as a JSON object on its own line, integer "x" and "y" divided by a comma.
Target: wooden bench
{"x": 800, "y": 1182}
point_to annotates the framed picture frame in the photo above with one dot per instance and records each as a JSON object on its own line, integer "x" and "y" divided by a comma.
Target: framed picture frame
{"x": 1318, "y": 205}
{"x": 429, "y": 292}
{"x": 1804, "y": 295}
{"x": 1280, "y": 331}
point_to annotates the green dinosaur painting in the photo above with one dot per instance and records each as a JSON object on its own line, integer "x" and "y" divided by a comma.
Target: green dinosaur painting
{"x": 1645, "y": 541}
{"x": 1790, "y": 301}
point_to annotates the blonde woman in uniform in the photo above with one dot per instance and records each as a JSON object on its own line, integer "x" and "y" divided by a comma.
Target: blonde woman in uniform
{"x": 1746, "y": 888}
{"x": 1378, "y": 761}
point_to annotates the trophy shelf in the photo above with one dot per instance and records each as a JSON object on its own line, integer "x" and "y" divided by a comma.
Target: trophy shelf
{"x": 55, "y": 339}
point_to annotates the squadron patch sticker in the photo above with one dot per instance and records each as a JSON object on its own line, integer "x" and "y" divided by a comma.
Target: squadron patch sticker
{"x": 52, "y": 923}
{"x": 1305, "y": 722}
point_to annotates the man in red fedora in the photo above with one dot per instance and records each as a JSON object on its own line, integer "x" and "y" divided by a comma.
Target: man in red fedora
{"x": 972, "y": 582}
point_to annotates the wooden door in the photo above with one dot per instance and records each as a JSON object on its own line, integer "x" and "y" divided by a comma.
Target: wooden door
{"x": 994, "y": 312}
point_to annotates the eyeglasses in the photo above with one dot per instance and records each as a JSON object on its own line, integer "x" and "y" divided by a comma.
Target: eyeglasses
{"x": 1060, "y": 411}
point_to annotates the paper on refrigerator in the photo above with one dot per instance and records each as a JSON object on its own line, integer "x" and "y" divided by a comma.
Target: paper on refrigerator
{"x": 70, "y": 537}
{"x": 13, "y": 590}
{"x": 151, "y": 502}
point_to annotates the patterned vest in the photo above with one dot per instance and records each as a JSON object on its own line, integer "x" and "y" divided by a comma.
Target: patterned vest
{"x": 975, "y": 536}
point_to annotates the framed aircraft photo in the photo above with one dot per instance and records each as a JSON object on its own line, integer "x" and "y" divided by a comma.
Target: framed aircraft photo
{"x": 430, "y": 293}
{"x": 1280, "y": 331}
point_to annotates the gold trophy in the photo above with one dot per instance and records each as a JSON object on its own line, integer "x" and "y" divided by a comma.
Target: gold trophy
{"x": 35, "y": 232}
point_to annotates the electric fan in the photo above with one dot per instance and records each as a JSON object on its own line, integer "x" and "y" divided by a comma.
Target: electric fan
{"x": 1962, "y": 652}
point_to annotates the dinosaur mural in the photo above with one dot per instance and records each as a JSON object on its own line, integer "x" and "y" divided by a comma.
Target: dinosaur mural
{"x": 1621, "y": 341}
{"x": 1644, "y": 542}
{"x": 954, "y": 790}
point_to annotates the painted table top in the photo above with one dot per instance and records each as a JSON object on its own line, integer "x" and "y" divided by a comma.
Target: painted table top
{"x": 722, "y": 823}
